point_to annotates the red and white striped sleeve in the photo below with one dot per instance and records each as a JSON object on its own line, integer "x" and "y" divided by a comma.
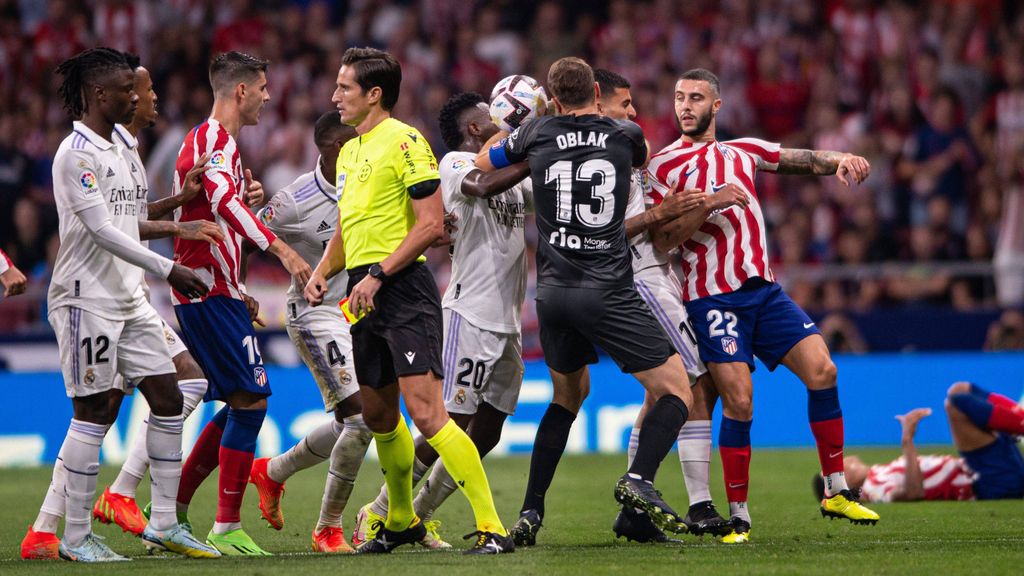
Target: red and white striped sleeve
{"x": 765, "y": 153}
{"x": 224, "y": 201}
{"x": 5, "y": 262}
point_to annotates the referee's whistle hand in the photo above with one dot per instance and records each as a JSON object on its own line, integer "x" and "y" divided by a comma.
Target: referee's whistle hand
{"x": 315, "y": 289}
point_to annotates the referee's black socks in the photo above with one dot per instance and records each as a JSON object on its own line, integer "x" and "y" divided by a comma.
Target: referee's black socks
{"x": 657, "y": 434}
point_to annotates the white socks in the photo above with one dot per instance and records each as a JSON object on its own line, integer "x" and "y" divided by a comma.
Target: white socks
{"x": 81, "y": 467}
{"x": 53, "y": 506}
{"x": 346, "y": 458}
{"x": 835, "y": 483}
{"x": 310, "y": 451}
{"x": 438, "y": 487}
{"x": 134, "y": 467}
{"x": 694, "y": 445}
{"x": 634, "y": 441}
{"x": 163, "y": 446}
{"x": 739, "y": 510}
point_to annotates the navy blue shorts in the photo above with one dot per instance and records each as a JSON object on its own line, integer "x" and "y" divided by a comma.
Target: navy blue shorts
{"x": 1000, "y": 469}
{"x": 758, "y": 319}
{"x": 220, "y": 336}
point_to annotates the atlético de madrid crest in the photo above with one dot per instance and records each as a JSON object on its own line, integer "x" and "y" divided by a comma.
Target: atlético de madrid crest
{"x": 729, "y": 345}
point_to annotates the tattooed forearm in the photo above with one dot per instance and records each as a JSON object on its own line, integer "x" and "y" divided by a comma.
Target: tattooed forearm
{"x": 817, "y": 162}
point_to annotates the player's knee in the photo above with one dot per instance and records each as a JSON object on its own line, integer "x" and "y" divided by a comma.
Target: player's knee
{"x": 738, "y": 407}
{"x": 823, "y": 376}
{"x": 958, "y": 388}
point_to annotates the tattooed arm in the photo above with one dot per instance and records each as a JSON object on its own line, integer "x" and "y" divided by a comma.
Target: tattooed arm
{"x": 823, "y": 163}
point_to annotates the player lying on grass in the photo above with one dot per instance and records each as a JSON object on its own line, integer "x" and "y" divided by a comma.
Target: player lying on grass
{"x": 984, "y": 427}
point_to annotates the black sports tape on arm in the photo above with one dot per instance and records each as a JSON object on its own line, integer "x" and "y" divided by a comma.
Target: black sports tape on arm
{"x": 423, "y": 189}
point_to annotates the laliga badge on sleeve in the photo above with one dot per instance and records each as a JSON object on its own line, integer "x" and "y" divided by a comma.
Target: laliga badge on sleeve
{"x": 350, "y": 317}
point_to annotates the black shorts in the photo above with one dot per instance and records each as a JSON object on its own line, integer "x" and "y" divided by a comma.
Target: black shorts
{"x": 574, "y": 320}
{"x": 402, "y": 336}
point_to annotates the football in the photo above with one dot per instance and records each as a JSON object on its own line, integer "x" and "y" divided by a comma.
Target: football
{"x": 516, "y": 99}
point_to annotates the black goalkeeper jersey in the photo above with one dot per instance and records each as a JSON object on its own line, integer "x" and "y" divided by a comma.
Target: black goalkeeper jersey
{"x": 581, "y": 169}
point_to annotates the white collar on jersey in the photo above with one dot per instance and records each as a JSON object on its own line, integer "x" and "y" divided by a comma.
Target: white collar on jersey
{"x": 326, "y": 188}
{"x": 125, "y": 136}
{"x": 93, "y": 138}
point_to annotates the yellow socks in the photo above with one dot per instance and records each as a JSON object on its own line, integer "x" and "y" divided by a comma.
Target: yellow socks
{"x": 462, "y": 461}
{"x": 396, "y": 453}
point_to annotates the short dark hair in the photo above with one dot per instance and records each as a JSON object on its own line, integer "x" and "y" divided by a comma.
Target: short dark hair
{"x": 376, "y": 68}
{"x": 609, "y": 81}
{"x": 329, "y": 127}
{"x": 450, "y": 115}
{"x": 83, "y": 69}
{"x": 571, "y": 81}
{"x": 703, "y": 75}
{"x": 230, "y": 69}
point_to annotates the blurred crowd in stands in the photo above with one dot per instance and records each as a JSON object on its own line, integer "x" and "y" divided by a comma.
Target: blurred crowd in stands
{"x": 932, "y": 93}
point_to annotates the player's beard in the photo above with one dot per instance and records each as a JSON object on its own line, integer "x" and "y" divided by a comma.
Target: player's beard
{"x": 703, "y": 123}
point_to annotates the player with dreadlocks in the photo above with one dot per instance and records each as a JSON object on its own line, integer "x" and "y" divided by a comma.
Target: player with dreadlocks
{"x": 99, "y": 311}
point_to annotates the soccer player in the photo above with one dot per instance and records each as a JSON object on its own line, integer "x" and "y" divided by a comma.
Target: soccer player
{"x": 984, "y": 426}
{"x": 120, "y": 507}
{"x": 658, "y": 286}
{"x": 735, "y": 307}
{"x": 12, "y": 278}
{"x": 117, "y": 502}
{"x": 217, "y": 327}
{"x": 98, "y": 309}
{"x": 581, "y": 164}
{"x": 389, "y": 213}
{"x": 483, "y": 369}
{"x": 305, "y": 215}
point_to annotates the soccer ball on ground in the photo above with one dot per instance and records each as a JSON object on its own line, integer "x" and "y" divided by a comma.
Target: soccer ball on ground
{"x": 516, "y": 99}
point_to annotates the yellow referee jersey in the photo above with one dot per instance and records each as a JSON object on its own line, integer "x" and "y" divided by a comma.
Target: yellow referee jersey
{"x": 375, "y": 172}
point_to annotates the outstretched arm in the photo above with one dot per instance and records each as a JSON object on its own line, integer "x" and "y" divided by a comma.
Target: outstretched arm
{"x": 481, "y": 184}
{"x": 823, "y": 163}
{"x": 913, "y": 480}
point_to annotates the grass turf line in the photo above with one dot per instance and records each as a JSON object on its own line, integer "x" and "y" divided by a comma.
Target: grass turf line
{"x": 789, "y": 535}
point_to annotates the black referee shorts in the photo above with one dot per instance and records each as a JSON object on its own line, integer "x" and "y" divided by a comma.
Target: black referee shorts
{"x": 402, "y": 336}
{"x": 574, "y": 320}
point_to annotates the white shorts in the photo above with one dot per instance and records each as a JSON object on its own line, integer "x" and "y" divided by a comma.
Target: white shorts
{"x": 175, "y": 345}
{"x": 93, "y": 349}
{"x": 660, "y": 289}
{"x": 326, "y": 347}
{"x": 480, "y": 366}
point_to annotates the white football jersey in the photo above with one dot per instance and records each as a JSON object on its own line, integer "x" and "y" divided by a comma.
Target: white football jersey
{"x": 640, "y": 246}
{"x": 488, "y": 282}
{"x": 305, "y": 214}
{"x": 90, "y": 170}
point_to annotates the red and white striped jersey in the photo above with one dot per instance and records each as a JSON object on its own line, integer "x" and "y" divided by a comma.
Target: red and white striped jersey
{"x": 222, "y": 204}
{"x": 945, "y": 478}
{"x": 730, "y": 246}
{"x": 5, "y": 262}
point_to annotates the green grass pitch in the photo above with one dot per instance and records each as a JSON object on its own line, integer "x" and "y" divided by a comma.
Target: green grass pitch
{"x": 789, "y": 535}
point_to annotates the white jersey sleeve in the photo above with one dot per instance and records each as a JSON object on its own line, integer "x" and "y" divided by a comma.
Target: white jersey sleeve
{"x": 454, "y": 168}
{"x": 488, "y": 281}
{"x": 76, "y": 180}
{"x": 281, "y": 217}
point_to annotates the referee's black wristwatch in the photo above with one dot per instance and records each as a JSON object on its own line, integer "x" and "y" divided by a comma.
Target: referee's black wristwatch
{"x": 377, "y": 272}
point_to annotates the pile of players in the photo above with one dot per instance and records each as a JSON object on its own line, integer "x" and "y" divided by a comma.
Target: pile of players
{"x": 368, "y": 320}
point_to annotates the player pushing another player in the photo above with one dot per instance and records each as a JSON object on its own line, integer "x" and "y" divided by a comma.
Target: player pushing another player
{"x": 736, "y": 308}
{"x": 581, "y": 165}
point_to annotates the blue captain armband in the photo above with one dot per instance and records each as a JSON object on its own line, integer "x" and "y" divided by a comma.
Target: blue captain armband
{"x": 498, "y": 155}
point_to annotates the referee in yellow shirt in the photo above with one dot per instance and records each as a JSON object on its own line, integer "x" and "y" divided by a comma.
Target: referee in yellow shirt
{"x": 390, "y": 212}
